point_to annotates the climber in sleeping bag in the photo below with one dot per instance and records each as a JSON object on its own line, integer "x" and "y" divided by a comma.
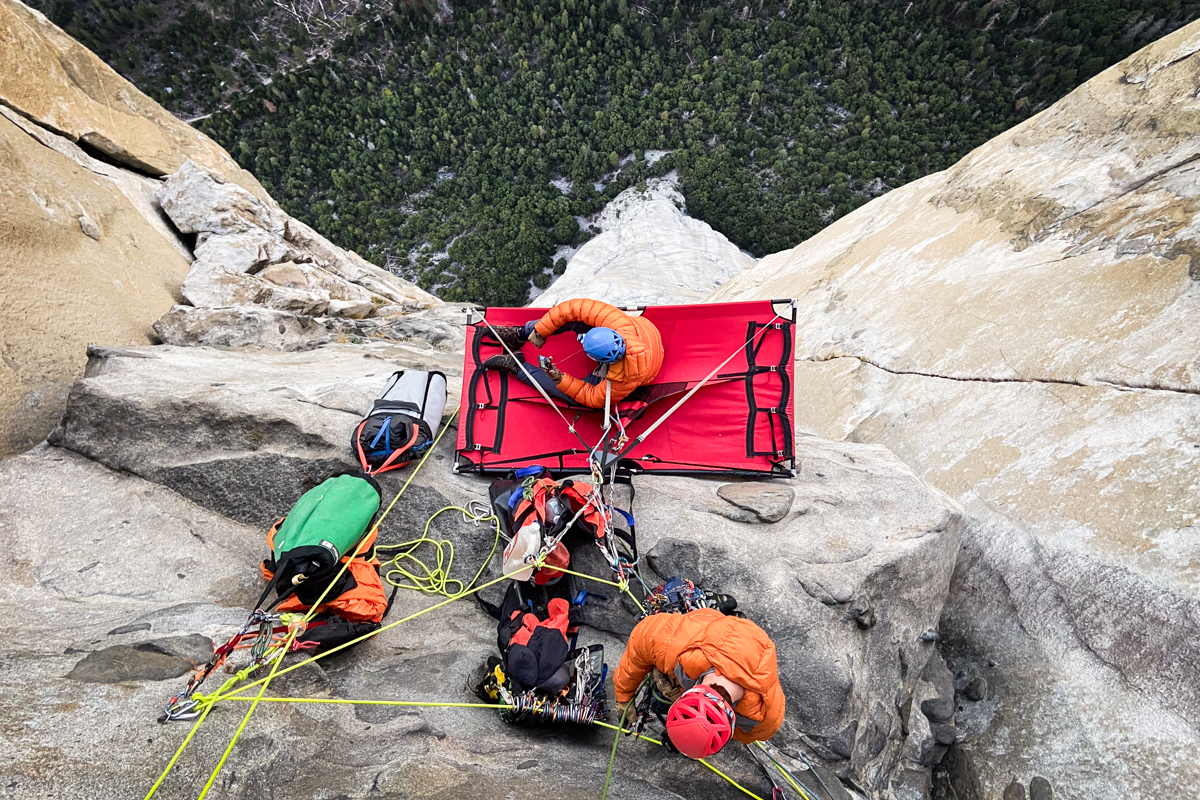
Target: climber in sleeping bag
{"x": 628, "y": 351}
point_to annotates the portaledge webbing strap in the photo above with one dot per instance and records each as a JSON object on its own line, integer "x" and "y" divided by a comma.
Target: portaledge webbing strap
{"x": 534, "y": 383}
{"x": 642, "y": 437}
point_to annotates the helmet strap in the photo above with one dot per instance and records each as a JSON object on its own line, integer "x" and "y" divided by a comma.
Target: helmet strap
{"x": 720, "y": 694}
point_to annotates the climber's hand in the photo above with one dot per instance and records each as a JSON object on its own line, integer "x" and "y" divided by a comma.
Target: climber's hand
{"x": 536, "y": 339}
{"x": 554, "y": 372}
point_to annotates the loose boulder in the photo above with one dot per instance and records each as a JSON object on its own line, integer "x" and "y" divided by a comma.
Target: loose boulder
{"x": 757, "y": 502}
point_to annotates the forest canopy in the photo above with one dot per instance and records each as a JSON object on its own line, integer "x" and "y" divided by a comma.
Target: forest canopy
{"x": 438, "y": 141}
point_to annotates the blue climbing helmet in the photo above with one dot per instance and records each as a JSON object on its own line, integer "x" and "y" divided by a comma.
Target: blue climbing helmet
{"x": 603, "y": 344}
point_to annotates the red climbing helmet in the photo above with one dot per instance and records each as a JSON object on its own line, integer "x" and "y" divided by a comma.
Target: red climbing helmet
{"x": 700, "y": 722}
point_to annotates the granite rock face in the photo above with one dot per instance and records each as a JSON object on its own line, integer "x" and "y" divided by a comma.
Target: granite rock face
{"x": 650, "y": 252}
{"x": 248, "y": 253}
{"x": 53, "y": 80}
{"x": 90, "y": 257}
{"x": 1024, "y": 330}
{"x": 241, "y": 326}
{"x": 85, "y": 257}
{"x": 243, "y": 433}
{"x": 195, "y": 571}
{"x": 859, "y": 526}
{"x": 440, "y": 327}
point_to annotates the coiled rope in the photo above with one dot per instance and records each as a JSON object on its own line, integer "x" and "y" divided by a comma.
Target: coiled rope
{"x": 406, "y": 571}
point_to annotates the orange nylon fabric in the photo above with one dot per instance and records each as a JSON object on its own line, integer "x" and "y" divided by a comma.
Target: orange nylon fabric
{"x": 559, "y": 556}
{"x": 702, "y": 640}
{"x": 643, "y": 349}
{"x": 557, "y": 617}
{"x": 366, "y": 602}
{"x": 391, "y": 462}
{"x": 591, "y": 516}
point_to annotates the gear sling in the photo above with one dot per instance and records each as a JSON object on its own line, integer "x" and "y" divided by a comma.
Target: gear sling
{"x": 540, "y": 674}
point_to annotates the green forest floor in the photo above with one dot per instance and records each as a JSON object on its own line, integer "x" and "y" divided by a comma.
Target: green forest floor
{"x": 426, "y": 137}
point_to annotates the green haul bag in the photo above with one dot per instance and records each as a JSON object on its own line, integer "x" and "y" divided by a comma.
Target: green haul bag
{"x": 326, "y": 524}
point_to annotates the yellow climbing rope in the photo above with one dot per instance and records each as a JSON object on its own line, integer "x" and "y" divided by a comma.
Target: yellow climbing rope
{"x": 612, "y": 756}
{"x": 225, "y": 696}
{"x": 312, "y": 611}
{"x": 178, "y": 752}
{"x": 417, "y": 468}
{"x": 206, "y": 704}
{"x": 341, "y": 701}
{"x": 787, "y": 775}
{"x": 406, "y": 571}
{"x": 623, "y": 585}
{"x": 429, "y": 704}
{"x": 731, "y": 781}
{"x": 283, "y": 650}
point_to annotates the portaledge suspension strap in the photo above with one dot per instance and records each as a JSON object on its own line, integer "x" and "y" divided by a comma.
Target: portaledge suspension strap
{"x": 642, "y": 437}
